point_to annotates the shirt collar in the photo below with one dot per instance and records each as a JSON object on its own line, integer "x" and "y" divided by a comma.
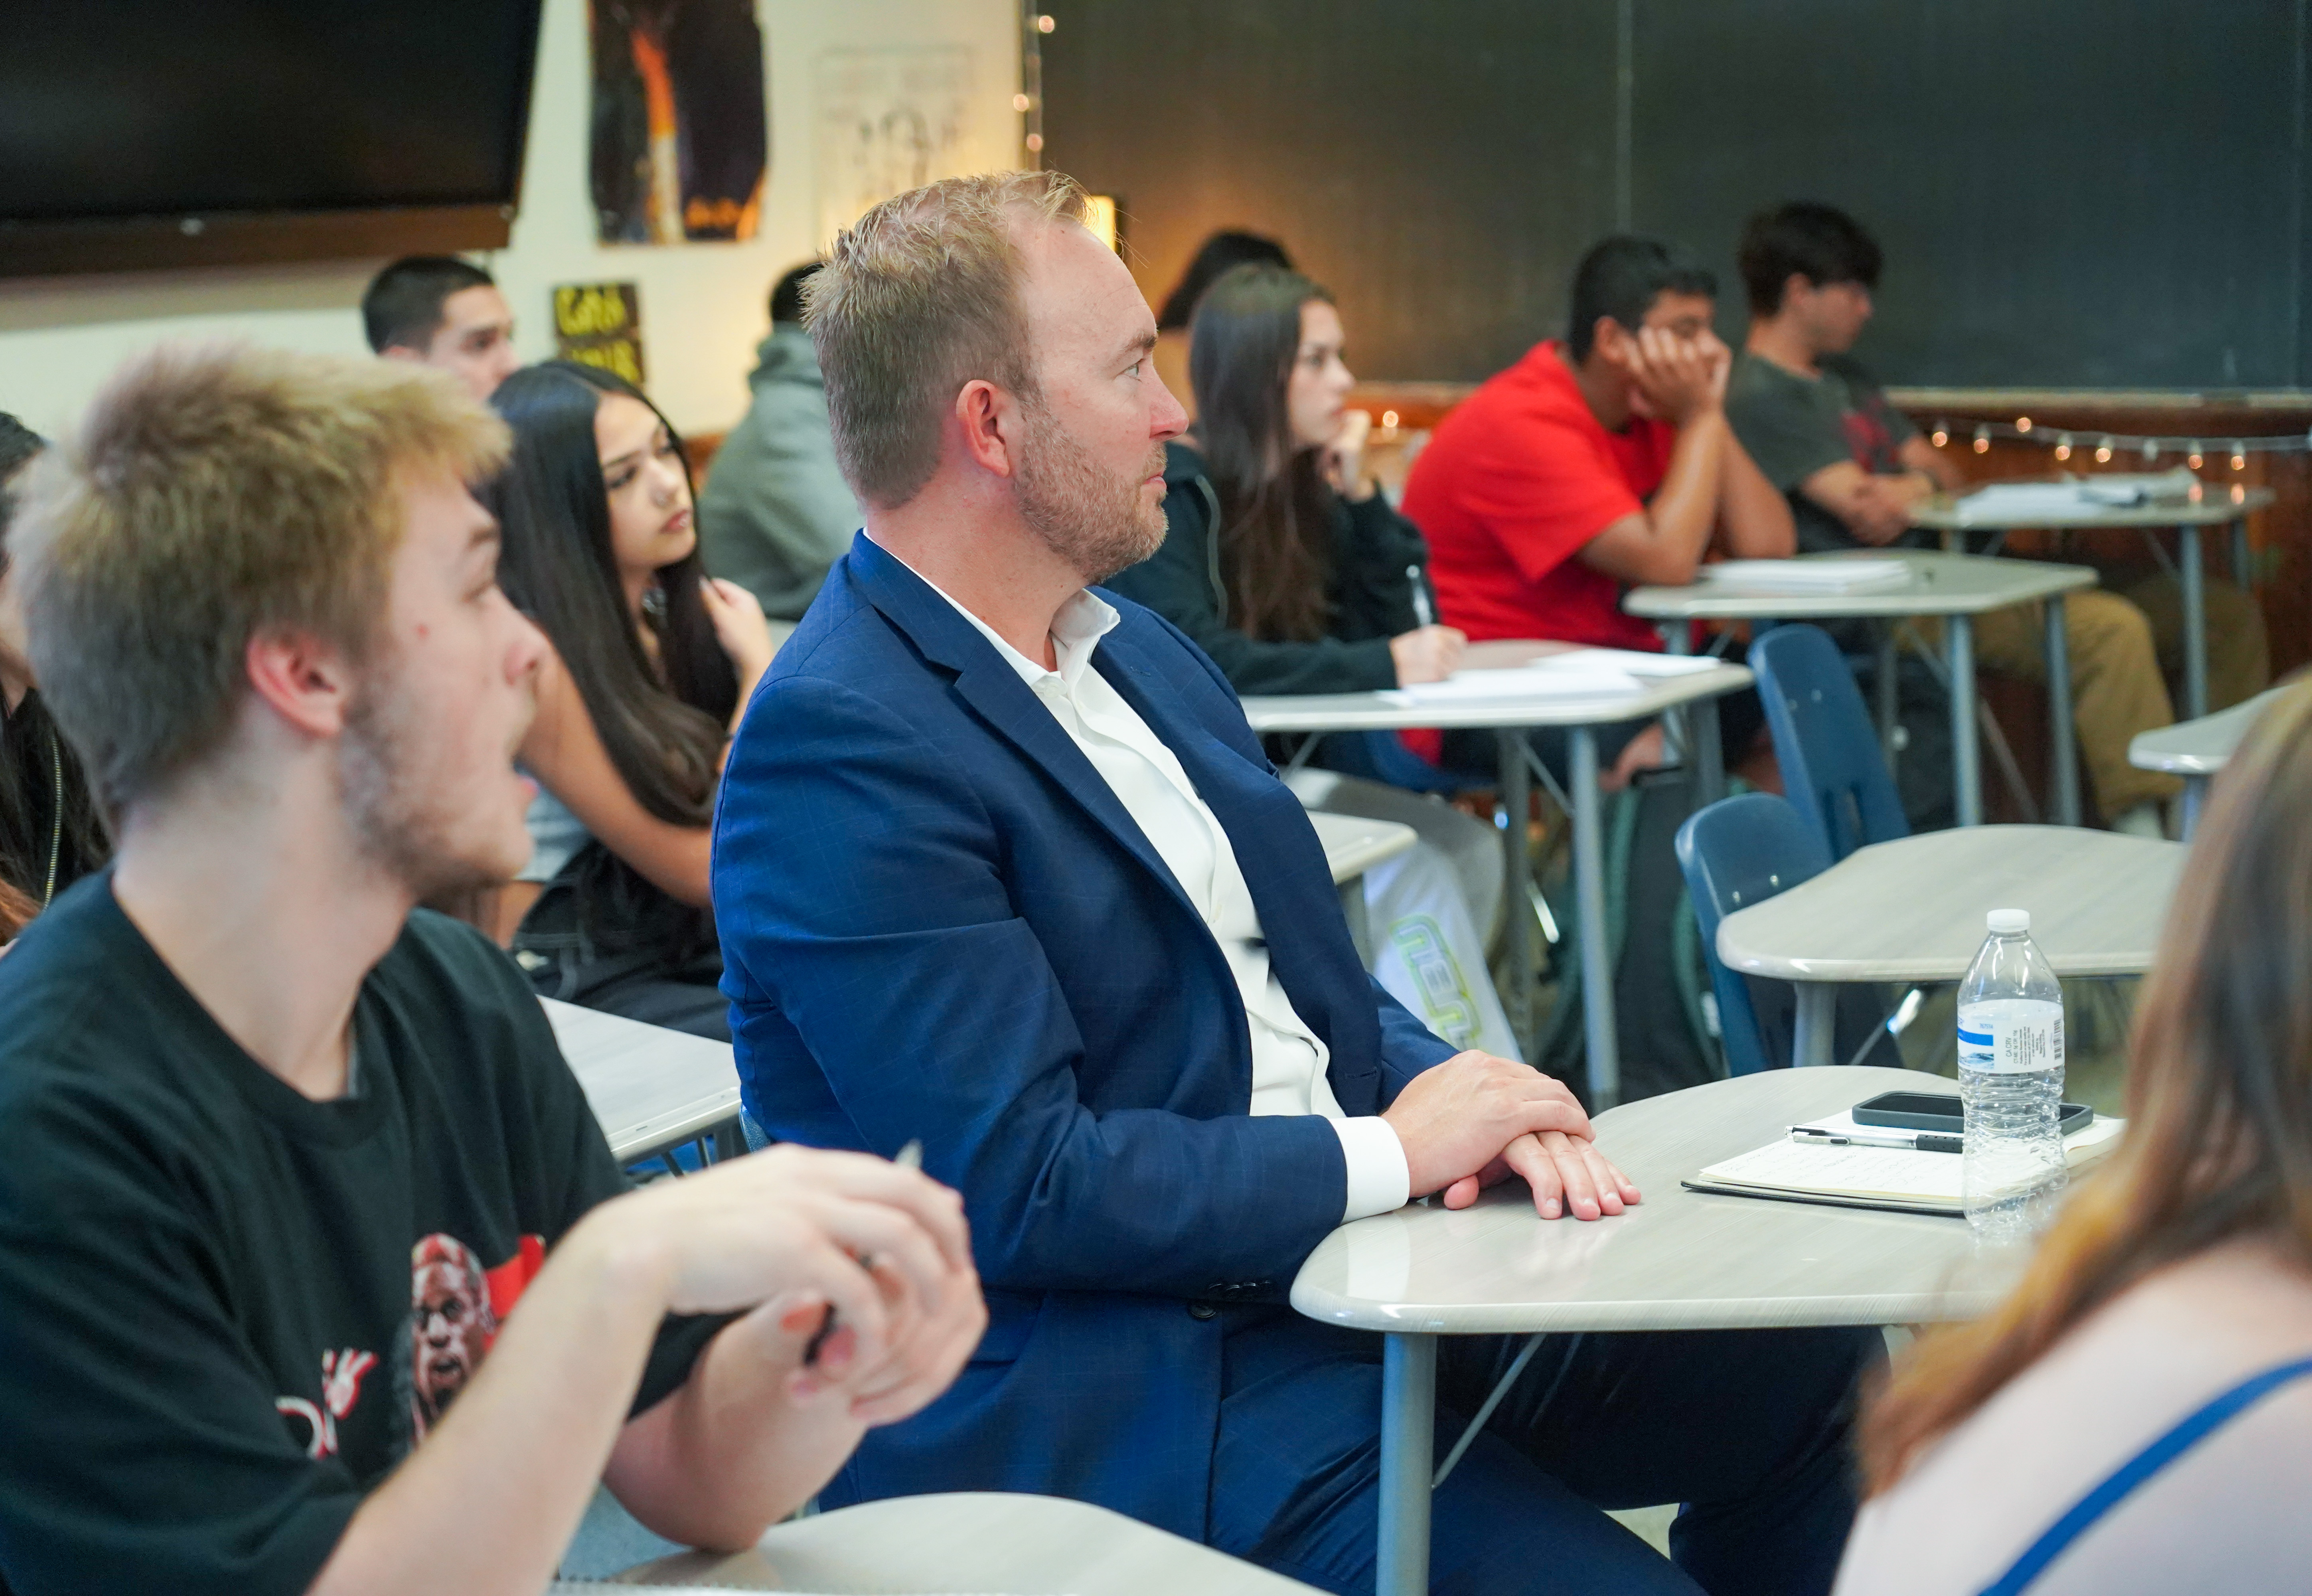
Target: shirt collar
{"x": 1076, "y": 630}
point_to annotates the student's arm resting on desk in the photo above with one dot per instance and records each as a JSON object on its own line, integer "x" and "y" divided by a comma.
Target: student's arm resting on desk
{"x": 1662, "y": 542}
{"x": 1754, "y": 518}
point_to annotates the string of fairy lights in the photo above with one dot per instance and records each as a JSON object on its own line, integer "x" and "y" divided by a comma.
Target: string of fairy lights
{"x": 2104, "y": 448}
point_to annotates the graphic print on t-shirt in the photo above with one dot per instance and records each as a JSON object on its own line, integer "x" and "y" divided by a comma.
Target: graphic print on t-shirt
{"x": 455, "y": 1308}
{"x": 341, "y": 1378}
{"x": 1870, "y": 439}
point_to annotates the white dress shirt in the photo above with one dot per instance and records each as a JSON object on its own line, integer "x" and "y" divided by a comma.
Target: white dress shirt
{"x": 1289, "y": 1060}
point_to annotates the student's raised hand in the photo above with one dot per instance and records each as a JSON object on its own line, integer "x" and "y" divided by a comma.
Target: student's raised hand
{"x": 1427, "y": 653}
{"x": 1343, "y": 460}
{"x": 789, "y": 1226}
{"x": 1456, "y": 1120}
{"x": 737, "y": 618}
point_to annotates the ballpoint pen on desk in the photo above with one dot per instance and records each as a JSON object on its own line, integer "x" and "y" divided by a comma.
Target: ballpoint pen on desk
{"x": 1924, "y": 1141}
{"x": 1423, "y": 614}
{"x": 911, "y": 1157}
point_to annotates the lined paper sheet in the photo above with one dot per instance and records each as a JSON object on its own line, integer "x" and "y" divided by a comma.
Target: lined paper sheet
{"x": 1862, "y": 573}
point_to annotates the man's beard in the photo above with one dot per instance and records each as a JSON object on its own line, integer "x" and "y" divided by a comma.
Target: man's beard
{"x": 1095, "y": 520}
{"x": 399, "y": 820}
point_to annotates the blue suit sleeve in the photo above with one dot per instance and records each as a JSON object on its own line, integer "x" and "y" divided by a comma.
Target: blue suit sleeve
{"x": 1407, "y": 1046}
{"x": 859, "y": 884}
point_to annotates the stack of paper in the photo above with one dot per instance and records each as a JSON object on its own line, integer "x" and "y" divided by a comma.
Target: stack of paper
{"x": 1486, "y": 686}
{"x": 1860, "y": 573}
{"x": 1869, "y": 1176}
{"x": 2008, "y": 503}
{"x": 1633, "y": 661}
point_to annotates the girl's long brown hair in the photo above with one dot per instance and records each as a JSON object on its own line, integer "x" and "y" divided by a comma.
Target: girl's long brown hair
{"x": 2219, "y": 1099}
{"x": 1277, "y": 509}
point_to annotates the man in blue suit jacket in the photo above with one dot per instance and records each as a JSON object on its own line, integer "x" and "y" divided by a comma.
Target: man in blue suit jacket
{"x": 1000, "y": 866}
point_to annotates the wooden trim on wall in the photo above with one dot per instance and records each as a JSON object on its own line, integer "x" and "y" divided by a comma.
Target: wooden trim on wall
{"x": 245, "y": 238}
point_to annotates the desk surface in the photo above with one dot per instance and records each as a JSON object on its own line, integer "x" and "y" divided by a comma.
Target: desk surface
{"x": 1029, "y": 1545}
{"x": 1354, "y": 845}
{"x": 2213, "y": 508}
{"x": 1939, "y": 584}
{"x": 2199, "y": 747}
{"x": 651, "y": 1087}
{"x": 1679, "y": 1260}
{"x": 1912, "y": 910}
{"x": 1370, "y": 712}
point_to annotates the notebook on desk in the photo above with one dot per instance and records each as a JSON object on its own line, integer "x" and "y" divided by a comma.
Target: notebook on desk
{"x": 1888, "y": 1178}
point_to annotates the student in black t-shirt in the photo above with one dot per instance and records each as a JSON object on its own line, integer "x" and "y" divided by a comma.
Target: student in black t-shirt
{"x": 317, "y": 1273}
{"x": 1853, "y": 467}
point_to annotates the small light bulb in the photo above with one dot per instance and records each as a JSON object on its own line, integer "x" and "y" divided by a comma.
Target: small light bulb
{"x": 1982, "y": 440}
{"x": 1020, "y": 102}
{"x": 2239, "y": 493}
{"x": 2240, "y": 455}
{"x": 2063, "y": 446}
{"x": 1044, "y": 24}
{"x": 2198, "y": 457}
{"x": 2102, "y": 452}
{"x": 2023, "y": 425}
{"x": 1940, "y": 435}
{"x": 1389, "y": 419}
{"x": 1035, "y": 141}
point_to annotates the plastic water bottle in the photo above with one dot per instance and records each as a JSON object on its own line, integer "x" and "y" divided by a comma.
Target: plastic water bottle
{"x": 2010, "y": 1076}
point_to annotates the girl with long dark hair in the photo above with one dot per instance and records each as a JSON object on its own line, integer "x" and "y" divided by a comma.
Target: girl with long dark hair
{"x": 2160, "y": 1346}
{"x": 1290, "y": 568}
{"x": 651, "y": 663}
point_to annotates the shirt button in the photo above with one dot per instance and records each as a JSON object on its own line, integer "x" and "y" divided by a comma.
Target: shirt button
{"x": 1203, "y": 1311}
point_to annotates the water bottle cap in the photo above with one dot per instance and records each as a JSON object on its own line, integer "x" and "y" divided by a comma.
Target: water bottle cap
{"x": 2008, "y": 922}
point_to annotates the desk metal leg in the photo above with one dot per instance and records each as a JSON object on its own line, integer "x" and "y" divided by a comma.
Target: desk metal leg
{"x": 2243, "y": 562}
{"x": 1709, "y": 758}
{"x": 1967, "y": 754}
{"x": 1517, "y": 882}
{"x": 1678, "y": 728}
{"x": 2190, "y": 570}
{"x": 1890, "y": 658}
{"x": 2195, "y": 796}
{"x": 1590, "y": 894}
{"x": 2062, "y": 740}
{"x": 1818, "y": 1012}
{"x": 1408, "y": 1417}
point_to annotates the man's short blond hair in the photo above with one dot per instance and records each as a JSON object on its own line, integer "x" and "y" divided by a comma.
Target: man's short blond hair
{"x": 209, "y": 495}
{"x": 919, "y": 298}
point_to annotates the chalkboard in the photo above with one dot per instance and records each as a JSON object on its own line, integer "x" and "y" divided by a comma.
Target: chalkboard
{"x": 2072, "y": 193}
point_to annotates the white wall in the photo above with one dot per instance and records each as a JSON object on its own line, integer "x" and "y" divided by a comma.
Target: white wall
{"x": 702, "y": 304}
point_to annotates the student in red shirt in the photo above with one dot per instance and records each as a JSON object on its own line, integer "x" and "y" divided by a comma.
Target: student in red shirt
{"x": 1597, "y": 464}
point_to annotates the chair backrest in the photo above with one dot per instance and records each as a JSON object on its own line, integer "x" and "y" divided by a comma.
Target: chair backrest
{"x": 1828, "y": 751}
{"x": 1738, "y": 852}
{"x": 1382, "y": 757}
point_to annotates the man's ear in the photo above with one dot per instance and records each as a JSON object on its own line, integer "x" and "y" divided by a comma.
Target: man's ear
{"x": 307, "y": 683}
{"x": 990, "y": 419}
{"x": 1610, "y": 339}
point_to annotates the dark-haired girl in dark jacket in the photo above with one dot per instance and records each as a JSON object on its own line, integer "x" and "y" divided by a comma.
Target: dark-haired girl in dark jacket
{"x": 651, "y": 663}
{"x": 1287, "y": 565}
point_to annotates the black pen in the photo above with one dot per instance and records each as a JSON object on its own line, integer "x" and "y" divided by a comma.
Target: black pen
{"x": 1422, "y": 613}
{"x": 911, "y": 1157}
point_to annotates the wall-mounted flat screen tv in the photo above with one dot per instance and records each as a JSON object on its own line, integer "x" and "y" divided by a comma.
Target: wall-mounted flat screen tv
{"x": 144, "y": 134}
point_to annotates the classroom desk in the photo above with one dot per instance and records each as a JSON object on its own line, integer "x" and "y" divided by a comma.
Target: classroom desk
{"x": 1957, "y": 587}
{"x": 964, "y": 1540}
{"x": 1508, "y": 719}
{"x": 2187, "y": 517}
{"x": 1912, "y": 910}
{"x": 1679, "y": 1260}
{"x": 651, "y": 1087}
{"x": 1353, "y": 845}
{"x": 2196, "y": 749}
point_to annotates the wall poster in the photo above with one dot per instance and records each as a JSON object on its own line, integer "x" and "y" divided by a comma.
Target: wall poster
{"x": 889, "y": 121}
{"x": 681, "y": 126}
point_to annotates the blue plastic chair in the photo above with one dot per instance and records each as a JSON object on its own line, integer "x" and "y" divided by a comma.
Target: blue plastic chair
{"x": 1824, "y": 741}
{"x": 1382, "y": 757}
{"x": 1738, "y": 852}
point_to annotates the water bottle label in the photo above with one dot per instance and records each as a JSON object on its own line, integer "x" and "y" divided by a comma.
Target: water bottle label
{"x": 2011, "y": 1038}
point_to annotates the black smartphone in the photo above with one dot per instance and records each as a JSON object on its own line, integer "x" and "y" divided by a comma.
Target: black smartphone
{"x": 1942, "y": 1112}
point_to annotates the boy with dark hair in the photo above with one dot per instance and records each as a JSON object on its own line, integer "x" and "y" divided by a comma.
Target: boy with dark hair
{"x": 318, "y": 1275}
{"x": 445, "y": 312}
{"x": 775, "y": 513}
{"x": 1597, "y": 462}
{"x": 1853, "y": 466}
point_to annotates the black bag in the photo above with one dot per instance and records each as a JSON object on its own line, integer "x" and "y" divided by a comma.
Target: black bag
{"x": 604, "y": 937}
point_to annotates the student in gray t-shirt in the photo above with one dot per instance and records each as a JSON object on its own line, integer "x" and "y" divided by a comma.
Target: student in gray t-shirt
{"x": 1822, "y": 433}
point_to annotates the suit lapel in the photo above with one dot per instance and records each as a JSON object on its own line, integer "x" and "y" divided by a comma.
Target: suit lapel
{"x": 1007, "y": 704}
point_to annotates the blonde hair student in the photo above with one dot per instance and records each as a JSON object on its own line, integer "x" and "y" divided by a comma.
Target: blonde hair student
{"x": 2138, "y": 1415}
